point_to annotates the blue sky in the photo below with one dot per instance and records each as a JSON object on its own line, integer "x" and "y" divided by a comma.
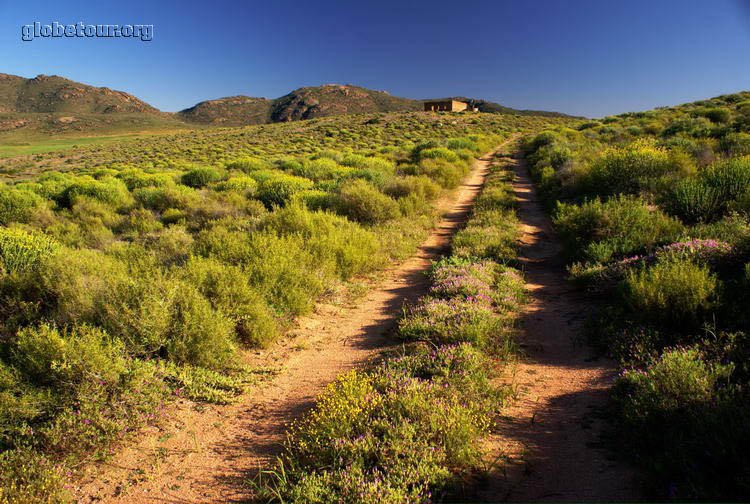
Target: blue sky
{"x": 587, "y": 57}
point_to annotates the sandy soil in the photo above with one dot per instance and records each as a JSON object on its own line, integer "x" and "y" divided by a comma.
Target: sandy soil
{"x": 205, "y": 454}
{"x": 550, "y": 435}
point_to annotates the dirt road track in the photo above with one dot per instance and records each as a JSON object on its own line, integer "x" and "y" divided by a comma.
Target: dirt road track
{"x": 550, "y": 434}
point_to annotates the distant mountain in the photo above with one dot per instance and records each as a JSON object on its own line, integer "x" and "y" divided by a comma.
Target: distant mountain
{"x": 319, "y": 101}
{"x": 335, "y": 99}
{"x": 231, "y": 111}
{"x": 303, "y": 103}
{"x": 53, "y": 94}
{"x": 49, "y": 104}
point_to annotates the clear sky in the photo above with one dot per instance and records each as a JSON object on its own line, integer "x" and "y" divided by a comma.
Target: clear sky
{"x": 586, "y": 57}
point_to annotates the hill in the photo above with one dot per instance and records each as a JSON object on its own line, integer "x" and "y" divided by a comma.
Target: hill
{"x": 232, "y": 111}
{"x": 320, "y": 101}
{"x": 303, "y": 103}
{"x": 51, "y": 105}
{"x": 53, "y": 94}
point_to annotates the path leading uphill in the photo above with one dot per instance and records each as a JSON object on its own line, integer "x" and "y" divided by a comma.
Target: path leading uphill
{"x": 550, "y": 433}
{"x": 205, "y": 456}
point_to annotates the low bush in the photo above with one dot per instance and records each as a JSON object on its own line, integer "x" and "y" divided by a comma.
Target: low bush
{"x": 686, "y": 427}
{"x": 421, "y": 186}
{"x": 321, "y": 169}
{"x": 628, "y": 170}
{"x": 278, "y": 190}
{"x": 362, "y": 202}
{"x": 449, "y": 321}
{"x": 201, "y": 176}
{"x": 735, "y": 144}
{"x": 601, "y": 231}
{"x": 228, "y": 290}
{"x": 492, "y": 235}
{"x": 110, "y": 190}
{"x": 403, "y": 432}
{"x": 445, "y": 173}
{"x": 162, "y": 198}
{"x": 135, "y": 179}
{"x": 708, "y": 196}
{"x": 17, "y": 205}
{"x": 249, "y": 164}
{"x": 314, "y": 199}
{"x": 674, "y": 291}
{"x": 22, "y": 251}
{"x": 245, "y": 185}
{"x": 328, "y": 238}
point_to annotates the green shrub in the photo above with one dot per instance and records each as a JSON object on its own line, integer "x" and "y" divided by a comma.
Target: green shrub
{"x": 135, "y": 179}
{"x": 693, "y": 200}
{"x": 735, "y": 144}
{"x": 423, "y": 187}
{"x": 375, "y": 177}
{"x": 162, "y": 198}
{"x": 198, "y": 334}
{"x": 445, "y": 173}
{"x": 172, "y": 245}
{"x": 66, "y": 359}
{"x": 730, "y": 178}
{"x": 601, "y": 231}
{"x": 710, "y": 195}
{"x": 717, "y": 115}
{"x": 244, "y": 185}
{"x": 314, "y": 199}
{"x": 385, "y": 166}
{"x": 489, "y": 235}
{"x": 329, "y": 237}
{"x": 27, "y": 476}
{"x": 628, "y": 170}
{"x": 686, "y": 427}
{"x": 17, "y": 205}
{"x": 321, "y": 169}
{"x": 439, "y": 153}
{"x": 249, "y": 164}
{"x": 279, "y": 189}
{"x": 111, "y": 191}
{"x": 450, "y": 321}
{"x": 228, "y": 290}
{"x": 201, "y": 176}
{"x": 672, "y": 291}
{"x": 676, "y": 381}
{"x": 279, "y": 267}
{"x": 463, "y": 143}
{"x": 138, "y": 222}
{"x": 22, "y": 251}
{"x": 395, "y": 434}
{"x": 362, "y": 202}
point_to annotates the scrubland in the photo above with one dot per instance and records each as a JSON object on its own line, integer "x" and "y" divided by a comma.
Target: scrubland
{"x": 139, "y": 271}
{"x": 410, "y": 428}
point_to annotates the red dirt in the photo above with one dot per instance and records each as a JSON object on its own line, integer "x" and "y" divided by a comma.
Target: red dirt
{"x": 205, "y": 454}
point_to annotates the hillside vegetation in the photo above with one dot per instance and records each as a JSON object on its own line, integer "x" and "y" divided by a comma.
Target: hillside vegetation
{"x": 654, "y": 208}
{"x": 137, "y": 273}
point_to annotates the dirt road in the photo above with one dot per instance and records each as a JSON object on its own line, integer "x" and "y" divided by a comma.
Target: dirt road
{"x": 205, "y": 456}
{"x": 551, "y": 432}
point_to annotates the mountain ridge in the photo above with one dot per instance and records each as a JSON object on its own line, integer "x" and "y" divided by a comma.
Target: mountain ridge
{"x": 53, "y": 104}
